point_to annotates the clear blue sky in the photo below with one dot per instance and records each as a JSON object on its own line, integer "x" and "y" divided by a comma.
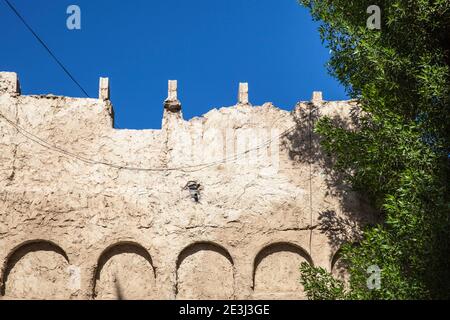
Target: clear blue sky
{"x": 209, "y": 46}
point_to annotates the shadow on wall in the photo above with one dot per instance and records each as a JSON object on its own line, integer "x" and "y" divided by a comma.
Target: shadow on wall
{"x": 125, "y": 271}
{"x": 276, "y": 271}
{"x": 36, "y": 270}
{"x": 304, "y": 146}
{"x": 205, "y": 271}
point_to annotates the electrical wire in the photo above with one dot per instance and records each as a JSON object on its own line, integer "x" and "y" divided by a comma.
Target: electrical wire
{"x": 84, "y": 159}
{"x": 46, "y": 47}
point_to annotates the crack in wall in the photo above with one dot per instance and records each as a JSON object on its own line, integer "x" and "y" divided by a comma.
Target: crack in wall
{"x": 12, "y": 175}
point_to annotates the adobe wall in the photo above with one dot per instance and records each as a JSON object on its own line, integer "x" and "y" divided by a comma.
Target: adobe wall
{"x": 92, "y": 212}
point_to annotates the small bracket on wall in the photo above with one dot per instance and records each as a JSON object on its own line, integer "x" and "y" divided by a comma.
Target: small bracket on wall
{"x": 243, "y": 93}
{"x": 9, "y": 83}
{"x": 194, "y": 190}
{"x": 317, "y": 96}
{"x": 172, "y": 103}
{"x": 103, "y": 91}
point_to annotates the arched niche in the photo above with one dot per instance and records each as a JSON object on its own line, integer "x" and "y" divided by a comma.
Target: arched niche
{"x": 205, "y": 271}
{"x": 276, "y": 273}
{"x": 125, "y": 271}
{"x": 37, "y": 270}
{"x": 339, "y": 269}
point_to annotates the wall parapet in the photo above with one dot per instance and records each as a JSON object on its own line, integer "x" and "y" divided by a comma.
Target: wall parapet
{"x": 9, "y": 84}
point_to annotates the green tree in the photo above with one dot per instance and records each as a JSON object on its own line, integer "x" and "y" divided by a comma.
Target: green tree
{"x": 399, "y": 153}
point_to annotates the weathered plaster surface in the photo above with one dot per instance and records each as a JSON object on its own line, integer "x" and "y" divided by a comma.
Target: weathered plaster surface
{"x": 76, "y": 228}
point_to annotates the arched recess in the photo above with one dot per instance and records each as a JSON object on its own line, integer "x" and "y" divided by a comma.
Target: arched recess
{"x": 276, "y": 271}
{"x": 205, "y": 271}
{"x": 338, "y": 268}
{"x": 125, "y": 271}
{"x": 36, "y": 270}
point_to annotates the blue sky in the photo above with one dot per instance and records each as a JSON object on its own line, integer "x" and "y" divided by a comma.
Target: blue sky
{"x": 209, "y": 46}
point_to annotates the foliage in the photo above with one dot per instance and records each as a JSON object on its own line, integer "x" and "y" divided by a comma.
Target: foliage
{"x": 320, "y": 285}
{"x": 398, "y": 155}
